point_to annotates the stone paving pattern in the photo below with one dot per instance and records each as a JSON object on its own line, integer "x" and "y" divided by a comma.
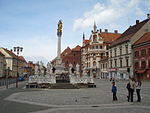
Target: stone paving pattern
{"x": 86, "y": 100}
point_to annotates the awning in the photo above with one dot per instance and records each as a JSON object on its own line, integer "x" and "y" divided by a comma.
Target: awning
{"x": 140, "y": 71}
{"x": 148, "y": 71}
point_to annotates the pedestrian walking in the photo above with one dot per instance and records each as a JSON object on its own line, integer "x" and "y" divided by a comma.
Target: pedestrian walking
{"x": 138, "y": 89}
{"x": 129, "y": 91}
{"x": 132, "y": 88}
{"x": 114, "y": 91}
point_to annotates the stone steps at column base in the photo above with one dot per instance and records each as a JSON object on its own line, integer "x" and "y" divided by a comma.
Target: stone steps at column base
{"x": 64, "y": 86}
{"x": 91, "y": 85}
{"x": 88, "y": 85}
{"x": 61, "y": 85}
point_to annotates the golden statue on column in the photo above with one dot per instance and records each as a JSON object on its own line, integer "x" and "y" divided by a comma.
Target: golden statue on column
{"x": 59, "y": 30}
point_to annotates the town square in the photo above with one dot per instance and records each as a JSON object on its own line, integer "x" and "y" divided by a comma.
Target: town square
{"x": 84, "y": 56}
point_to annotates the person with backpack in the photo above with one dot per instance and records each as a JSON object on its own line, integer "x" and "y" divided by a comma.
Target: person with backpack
{"x": 128, "y": 89}
{"x": 114, "y": 91}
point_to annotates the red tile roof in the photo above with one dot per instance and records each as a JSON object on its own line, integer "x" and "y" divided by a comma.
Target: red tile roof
{"x": 109, "y": 37}
{"x": 129, "y": 32}
{"x": 87, "y": 45}
{"x": 66, "y": 51}
{"x": 21, "y": 58}
{"x": 86, "y": 42}
{"x": 77, "y": 48}
{"x": 30, "y": 64}
{"x": 144, "y": 38}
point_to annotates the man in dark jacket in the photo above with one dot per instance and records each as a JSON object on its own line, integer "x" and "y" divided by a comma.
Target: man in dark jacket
{"x": 114, "y": 91}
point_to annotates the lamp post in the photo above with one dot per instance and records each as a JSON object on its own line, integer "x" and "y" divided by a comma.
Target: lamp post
{"x": 17, "y": 50}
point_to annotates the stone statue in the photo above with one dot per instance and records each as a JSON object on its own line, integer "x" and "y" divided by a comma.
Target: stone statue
{"x": 36, "y": 70}
{"x": 53, "y": 69}
{"x": 59, "y": 30}
{"x": 77, "y": 69}
{"x": 84, "y": 71}
{"x": 70, "y": 68}
{"x": 49, "y": 68}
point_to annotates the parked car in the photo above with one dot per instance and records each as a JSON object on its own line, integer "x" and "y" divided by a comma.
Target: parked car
{"x": 20, "y": 78}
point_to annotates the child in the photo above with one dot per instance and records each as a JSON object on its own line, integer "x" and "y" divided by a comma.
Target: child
{"x": 114, "y": 91}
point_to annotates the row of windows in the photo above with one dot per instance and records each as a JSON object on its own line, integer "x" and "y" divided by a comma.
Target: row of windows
{"x": 142, "y": 52}
{"x": 1, "y": 65}
{"x": 143, "y": 64}
{"x": 94, "y": 64}
{"x": 104, "y": 65}
{"x": 120, "y": 62}
{"x": 120, "y": 51}
{"x": 96, "y": 47}
{"x": 96, "y": 54}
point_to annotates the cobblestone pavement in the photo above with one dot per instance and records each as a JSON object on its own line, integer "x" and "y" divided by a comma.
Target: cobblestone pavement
{"x": 86, "y": 100}
{"x": 15, "y": 107}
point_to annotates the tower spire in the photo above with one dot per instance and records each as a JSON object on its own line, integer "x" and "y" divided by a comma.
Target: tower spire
{"x": 83, "y": 36}
{"x": 94, "y": 27}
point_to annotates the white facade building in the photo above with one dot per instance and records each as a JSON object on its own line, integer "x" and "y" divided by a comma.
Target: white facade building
{"x": 2, "y": 65}
{"x": 120, "y": 52}
{"x": 95, "y": 49}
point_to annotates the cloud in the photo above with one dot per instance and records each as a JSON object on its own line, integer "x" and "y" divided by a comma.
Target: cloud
{"x": 35, "y": 59}
{"x": 139, "y": 12}
{"x": 108, "y": 13}
{"x": 113, "y": 26}
{"x": 40, "y": 48}
{"x": 147, "y": 3}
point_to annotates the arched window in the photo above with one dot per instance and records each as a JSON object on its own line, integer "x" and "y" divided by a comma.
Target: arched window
{"x": 94, "y": 38}
{"x": 94, "y": 63}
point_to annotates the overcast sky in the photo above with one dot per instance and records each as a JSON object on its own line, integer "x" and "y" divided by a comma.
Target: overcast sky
{"x": 32, "y": 24}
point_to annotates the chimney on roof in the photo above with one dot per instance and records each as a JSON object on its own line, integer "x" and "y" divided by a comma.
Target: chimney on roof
{"x": 116, "y": 31}
{"x": 148, "y": 16}
{"x": 106, "y": 30}
{"x": 137, "y": 21}
{"x": 100, "y": 30}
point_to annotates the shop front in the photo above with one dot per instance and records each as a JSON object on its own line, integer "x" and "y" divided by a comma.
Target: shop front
{"x": 113, "y": 73}
{"x": 143, "y": 74}
{"x": 123, "y": 74}
{"x": 140, "y": 74}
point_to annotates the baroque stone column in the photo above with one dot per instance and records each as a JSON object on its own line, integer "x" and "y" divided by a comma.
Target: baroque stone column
{"x": 59, "y": 33}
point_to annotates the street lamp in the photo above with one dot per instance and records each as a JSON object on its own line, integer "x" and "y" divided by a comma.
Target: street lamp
{"x": 17, "y": 50}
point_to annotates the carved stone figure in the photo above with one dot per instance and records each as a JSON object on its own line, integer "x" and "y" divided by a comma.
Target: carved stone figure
{"x": 49, "y": 68}
{"x": 53, "y": 69}
{"x": 70, "y": 68}
{"x": 59, "y": 30}
{"x": 84, "y": 71}
{"x": 77, "y": 69}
